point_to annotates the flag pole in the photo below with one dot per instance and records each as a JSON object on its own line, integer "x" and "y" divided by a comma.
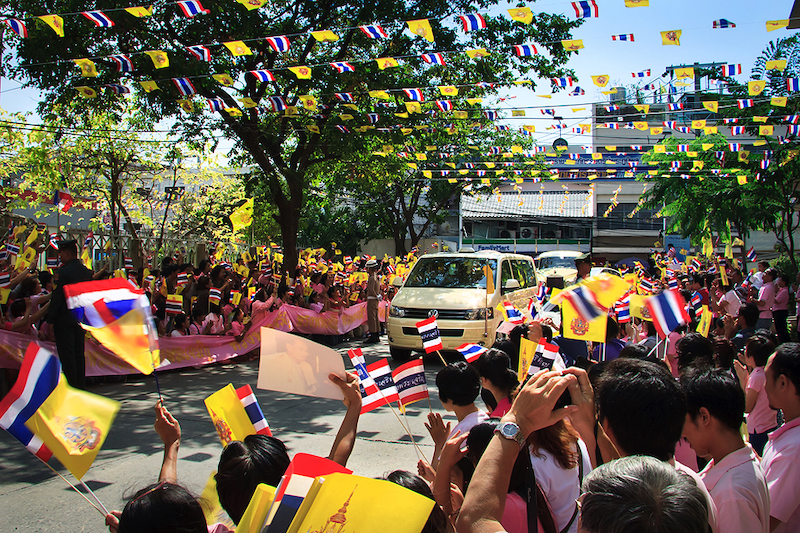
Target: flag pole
{"x": 604, "y": 352}
{"x": 429, "y": 403}
{"x": 56, "y": 472}
{"x": 441, "y": 357}
{"x": 654, "y": 348}
{"x": 407, "y": 426}
{"x": 85, "y": 486}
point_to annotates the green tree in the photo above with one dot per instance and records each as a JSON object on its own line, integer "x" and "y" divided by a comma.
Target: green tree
{"x": 285, "y": 146}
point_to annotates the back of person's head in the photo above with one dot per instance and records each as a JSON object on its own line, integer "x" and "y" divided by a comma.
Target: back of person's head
{"x": 749, "y": 313}
{"x": 45, "y": 277}
{"x": 650, "y": 328}
{"x": 437, "y": 521}
{"x": 634, "y": 351}
{"x": 495, "y": 366}
{"x": 716, "y": 390}
{"x": 643, "y": 406}
{"x": 179, "y": 321}
{"x": 724, "y": 353}
{"x": 243, "y": 465}
{"x": 459, "y": 383}
{"x": 478, "y": 440}
{"x": 759, "y": 348}
{"x": 694, "y": 349}
{"x": 700, "y": 279}
{"x": 641, "y": 495}
{"x": 163, "y": 508}
{"x": 786, "y": 362}
{"x": 612, "y": 328}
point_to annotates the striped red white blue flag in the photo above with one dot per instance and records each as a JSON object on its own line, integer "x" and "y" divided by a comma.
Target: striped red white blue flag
{"x": 192, "y": 8}
{"x": 413, "y": 94}
{"x": 342, "y": 67}
{"x": 623, "y": 37}
{"x": 279, "y": 44}
{"x": 751, "y": 254}
{"x": 472, "y": 352}
{"x": 472, "y": 22}
{"x": 99, "y": 303}
{"x": 262, "y": 75}
{"x": 18, "y": 27}
{"x": 444, "y": 105}
{"x": 185, "y": 86}
{"x": 123, "y": 62}
{"x": 199, "y": 52}
{"x": 410, "y": 381}
{"x": 745, "y": 103}
{"x": 668, "y": 311}
{"x": 585, "y": 9}
{"x": 253, "y": 410}
{"x": 722, "y": 23}
{"x": 731, "y": 69}
{"x": 374, "y": 31}
{"x": 434, "y": 59}
{"x": 429, "y": 331}
{"x": 584, "y": 303}
{"x": 524, "y": 50}
{"x": 100, "y": 19}
{"x": 38, "y": 378}
{"x": 546, "y": 357}
{"x": 793, "y": 84}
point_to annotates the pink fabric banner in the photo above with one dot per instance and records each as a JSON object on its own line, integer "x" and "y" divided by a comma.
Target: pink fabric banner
{"x": 194, "y": 350}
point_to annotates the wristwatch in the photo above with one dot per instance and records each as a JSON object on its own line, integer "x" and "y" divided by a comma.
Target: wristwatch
{"x": 510, "y": 431}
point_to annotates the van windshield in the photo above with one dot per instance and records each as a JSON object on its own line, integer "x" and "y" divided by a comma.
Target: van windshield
{"x": 556, "y": 262}
{"x": 451, "y": 272}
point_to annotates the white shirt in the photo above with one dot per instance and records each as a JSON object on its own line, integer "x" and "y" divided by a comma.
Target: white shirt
{"x": 733, "y": 303}
{"x": 469, "y": 421}
{"x": 782, "y": 470}
{"x": 739, "y": 489}
{"x": 560, "y": 486}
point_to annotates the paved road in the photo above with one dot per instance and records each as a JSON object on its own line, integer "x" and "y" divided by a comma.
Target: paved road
{"x": 33, "y": 499}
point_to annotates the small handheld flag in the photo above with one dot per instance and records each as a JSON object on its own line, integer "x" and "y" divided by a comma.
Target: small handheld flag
{"x": 751, "y": 254}
{"x": 472, "y": 352}
{"x": 409, "y": 379}
{"x": 668, "y": 311}
{"x": 546, "y": 357}
{"x": 253, "y": 410}
{"x": 429, "y": 331}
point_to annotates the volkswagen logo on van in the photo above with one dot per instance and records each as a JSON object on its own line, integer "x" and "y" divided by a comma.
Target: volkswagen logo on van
{"x": 433, "y": 313}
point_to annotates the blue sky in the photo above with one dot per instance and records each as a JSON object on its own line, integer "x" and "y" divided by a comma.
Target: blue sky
{"x": 601, "y": 55}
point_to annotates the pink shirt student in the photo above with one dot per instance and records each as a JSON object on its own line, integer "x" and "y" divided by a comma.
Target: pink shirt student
{"x": 782, "y": 470}
{"x": 781, "y": 299}
{"x": 738, "y": 487}
{"x": 761, "y": 418}
{"x": 767, "y": 295}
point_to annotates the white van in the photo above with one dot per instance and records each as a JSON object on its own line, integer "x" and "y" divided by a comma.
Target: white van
{"x": 452, "y": 287}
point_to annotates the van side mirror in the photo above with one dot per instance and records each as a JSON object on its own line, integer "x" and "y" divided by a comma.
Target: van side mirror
{"x": 397, "y": 281}
{"x": 511, "y": 284}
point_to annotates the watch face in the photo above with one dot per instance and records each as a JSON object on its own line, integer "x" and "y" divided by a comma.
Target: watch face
{"x": 510, "y": 430}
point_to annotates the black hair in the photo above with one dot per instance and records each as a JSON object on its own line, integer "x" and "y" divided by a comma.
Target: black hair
{"x": 163, "y": 508}
{"x": 68, "y": 246}
{"x": 699, "y": 279}
{"x": 45, "y": 277}
{"x": 759, "y": 348}
{"x": 179, "y": 320}
{"x": 437, "y": 521}
{"x": 749, "y": 313}
{"x": 509, "y": 348}
{"x": 643, "y": 406}
{"x": 635, "y": 351}
{"x": 787, "y": 362}
{"x": 694, "y": 349}
{"x": 724, "y": 353}
{"x": 716, "y": 390}
{"x": 459, "y": 383}
{"x": 243, "y": 465}
{"x": 477, "y": 441}
{"x": 612, "y": 328}
{"x": 495, "y": 366}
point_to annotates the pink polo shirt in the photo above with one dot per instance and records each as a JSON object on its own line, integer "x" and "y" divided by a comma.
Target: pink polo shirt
{"x": 766, "y": 294}
{"x": 782, "y": 470}
{"x": 761, "y": 418}
{"x": 739, "y": 490}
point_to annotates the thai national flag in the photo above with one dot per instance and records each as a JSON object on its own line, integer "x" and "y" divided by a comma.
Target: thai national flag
{"x": 472, "y": 352}
{"x": 524, "y": 50}
{"x": 584, "y": 303}
{"x": 116, "y": 88}
{"x": 577, "y": 92}
{"x": 434, "y": 59}
{"x": 373, "y": 118}
{"x": 745, "y": 103}
{"x": 751, "y": 254}
{"x": 123, "y": 62}
{"x": 672, "y": 283}
{"x": 722, "y": 23}
{"x": 623, "y": 309}
{"x": 185, "y": 86}
{"x": 512, "y": 314}
{"x": 200, "y": 52}
{"x": 343, "y": 129}
{"x": 444, "y": 105}
{"x": 668, "y": 311}
{"x": 52, "y": 263}
{"x": 429, "y": 331}
{"x": 561, "y": 82}
{"x": 734, "y": 147}
{"x": 192, "y": 8}
{"x": 99, "y": 18}
{"x": 38, "y": 378}
{"x": 731, "y": 69}
{"x": 278, "y": 103}
{"x": 674, "y": 107}
{"x": 12, "y": 249}
{"x": 343, "y": 66}
{"x": 737, "y": 130}
{"x": 472, "y": 22}
{"x": 63, "y": 199}
{"x": 410, "y": 382}
{"x": 5, "y": 279}
{"x": 253, "y": 410}
{"x": 99, "y": 303}
{"x": 279, "y": 44}
{"x": 345, "y": 97}
{"x": 413, "y": 94}
{"x": 546, "y": 357}
{"x": 216, "y": 104}
{"x": 696, "y": 301}
{"x": 262, "y": 75}
{"x": 491, "y": 115}
{"x": 647, "y": 284}
{"x": 793, "y": 84}
{"x": 585, "y": 9}
{"x": 374, "y": 31}
{"x": 642, "y": 74}
{"x": 542, "y": 292}
{"x": 623, "y": 37}
{"x": 214, "y": 296}
{"x": 18, "y": 27}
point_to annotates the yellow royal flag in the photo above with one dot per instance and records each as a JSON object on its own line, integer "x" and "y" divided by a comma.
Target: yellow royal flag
{"x": 487, "y": 271}
{"x": 128, "y": 338}
{"x": 575, "y": 327}
{"x": 86, "y": 258}
{"x": 573, "y": 44}
{"x": 685, "y": 72}
{"x": 140, "y": 11}
{"x": 250, "y": 5}
{"x": 638, "y": 308}
{"x": 325, "y": 36}
{"x": 755, "y": 87}
{"x": 73, "y": 424}
{"x": 309, "y": 102}
{"x": 381, "y": 95}
{"x": 765, "y": 130}
{"x": 255, "y": 515}
{"x": 413, "y": 107}
{"x": 641, "y": 125}
{"x": 421, "y": 28}
{"x": 86, "y": 92}
{"x": 384, "y": 63}
{"x": 448, "y": 90}
{"x": 521, "y": 14}
{"x": 527, "y": 349}
{"x": 87, "y": 66}
{"x": 773, "y": 25}
{"x": 777, "y": 64}
{"x": 28, "y": 255}
{"x": 4, "y": 294}
{"x": 159, "y": 57}
{"x": 34, "y": 234}
{"x": 302, "y": 72}
{"x": 242, "y": 217}
{"x": 705, "y": 321}
{"x": 55, "y": 22}
{"x": 228, "y": 415}
{"x": 671, "y": 37}
{"x": 212, "y": 509}
{"x": 656, "y": 131}
{"x": 607, "y": 289}
{"x": 354, "y": 498}
{"x": 778, "y": 101}
{"x": 601, "y": 80}
{"x": 476, "y": 52}
{"x": 223, "y": 79}
{"x": 711, "y": 105}
{"x": 149, "y": 86}
{"x": 642, "y": 108}
{"x": 238, "y": 48}
{"x": 698, "y": 124}
{"x": 637, "y": 3}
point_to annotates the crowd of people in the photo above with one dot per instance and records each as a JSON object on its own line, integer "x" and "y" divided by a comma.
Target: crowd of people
{"x": 696, "y": 432}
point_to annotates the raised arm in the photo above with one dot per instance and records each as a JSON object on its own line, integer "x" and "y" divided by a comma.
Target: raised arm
{"x": 346, "y": 437}
{"x": 170, "y": 432}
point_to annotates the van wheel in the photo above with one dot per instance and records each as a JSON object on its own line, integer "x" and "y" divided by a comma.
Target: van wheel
{"x": 399, "y": 354}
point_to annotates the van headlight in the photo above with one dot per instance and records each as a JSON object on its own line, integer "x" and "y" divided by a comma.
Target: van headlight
{"x": 479, "y": 314}
{"x": 397, "y": 312}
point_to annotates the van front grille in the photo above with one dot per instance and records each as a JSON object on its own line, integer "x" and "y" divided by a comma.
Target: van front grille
{"x": 444, "y": 314}
{"x": 442, "y": 332}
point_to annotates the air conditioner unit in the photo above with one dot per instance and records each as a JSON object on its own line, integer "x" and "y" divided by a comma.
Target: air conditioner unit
{"x": 508, "y": 234}
{"x": 529, "y": 232}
